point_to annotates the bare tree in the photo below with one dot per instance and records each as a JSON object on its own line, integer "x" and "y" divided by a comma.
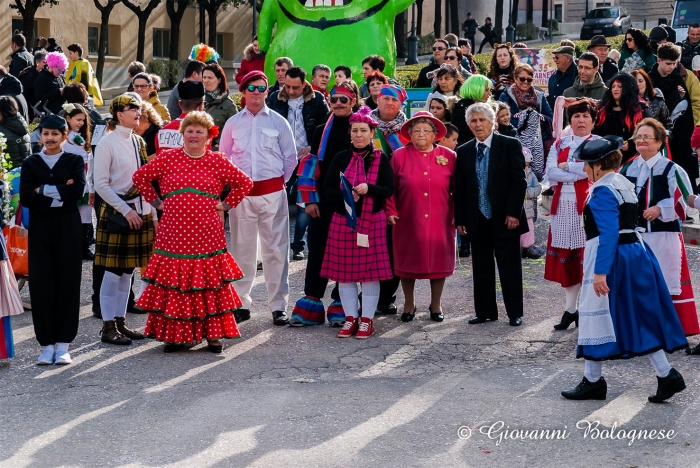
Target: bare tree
{"x": 438, "y": 19}
{"x": 419, "y": 17}
{"x": 454, "y": 16}
{"x": 212, "y": 8}
{"x": 514, "y": 11}
{"x": 27, "y": 10}
{"x": 142, "y": 15}
{"x": 105, "y": 12}
{"x": 498, "y": 20}
{"x": 176, "y": 10}
{"x": 529, "y": 11}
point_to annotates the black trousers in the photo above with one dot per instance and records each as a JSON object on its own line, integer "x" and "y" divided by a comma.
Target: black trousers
{"x": 487, "y": 40}
{"x": 486, "y": 245}
{"x": 55, "y": 272}
{"x": 471, "y": 39}
{"x": 317, "y": 236}
{"x": 388, "y": 288}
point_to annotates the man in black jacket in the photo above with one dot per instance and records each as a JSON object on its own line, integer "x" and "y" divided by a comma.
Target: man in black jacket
{"x": 439, "y": 48}
{"x": 608, "y": 68}
{"x": 469, "y": 28}
{"x": 29, "y": 75}
{"x": 690, "y": 47}
{"x": 11, "y": 86}
{"x": 21, "y": 58}
{"x": 304, "y": 109}
{"x": 489, "y": 192}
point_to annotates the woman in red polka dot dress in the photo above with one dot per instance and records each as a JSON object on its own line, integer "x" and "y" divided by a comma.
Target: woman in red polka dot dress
{"x": 190, "y": 295}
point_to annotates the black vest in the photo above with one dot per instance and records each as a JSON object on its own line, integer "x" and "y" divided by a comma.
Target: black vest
{"x": 659, "y": 191}
{"x": 627, "y": 220}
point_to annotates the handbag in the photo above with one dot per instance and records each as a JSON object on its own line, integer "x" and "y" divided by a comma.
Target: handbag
{"x": 117, "y": 224}
{"x": 18, "y": 250}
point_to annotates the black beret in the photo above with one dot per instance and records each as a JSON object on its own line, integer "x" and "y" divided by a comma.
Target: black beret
{"x": 594, "y": 150}
{"x": 53, "y": 121}
{"x": 190, "y": 90}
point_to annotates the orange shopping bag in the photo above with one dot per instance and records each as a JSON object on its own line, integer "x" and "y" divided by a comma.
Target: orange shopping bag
{"x": 18, "y": 249}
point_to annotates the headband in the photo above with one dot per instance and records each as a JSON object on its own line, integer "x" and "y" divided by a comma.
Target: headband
{"x": 394, "y": 91}
{"x": 342, "y": 90}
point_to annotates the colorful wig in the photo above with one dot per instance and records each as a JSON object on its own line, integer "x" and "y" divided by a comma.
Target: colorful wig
{"x": 475, "y": 87}
{"x": 58, "y": 60}
{"x": 204, "y": 53}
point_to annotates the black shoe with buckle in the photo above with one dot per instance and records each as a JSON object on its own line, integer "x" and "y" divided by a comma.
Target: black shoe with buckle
{"x": 298, "y": 255}
{"x": 279, "y": 318}
{"x": 241, "y": 315}
{"x": 387, "y": 309}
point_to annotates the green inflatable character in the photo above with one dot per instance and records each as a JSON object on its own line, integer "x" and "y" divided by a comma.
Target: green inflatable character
{"x": 331, "y": 32}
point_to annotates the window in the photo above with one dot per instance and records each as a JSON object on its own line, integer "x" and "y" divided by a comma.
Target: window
{"x": 18, "y": 27}
{"x": 161, "y": 43}
{"x": 220, "y": 44}
{"x": 558, "y": 12}
{"x": 94, "y": 39}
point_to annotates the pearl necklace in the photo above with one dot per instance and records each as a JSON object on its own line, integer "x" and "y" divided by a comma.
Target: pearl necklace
{"x": 193, "y": 156}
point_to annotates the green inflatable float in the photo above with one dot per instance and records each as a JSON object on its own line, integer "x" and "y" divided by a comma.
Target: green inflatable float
{"x": 331, "y": 32}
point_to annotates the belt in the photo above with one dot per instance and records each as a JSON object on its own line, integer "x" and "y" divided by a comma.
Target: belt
{"x": 264, "y": 187}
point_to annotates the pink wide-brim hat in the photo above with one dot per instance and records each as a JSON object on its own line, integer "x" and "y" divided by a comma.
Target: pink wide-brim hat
{"x": 441, "y": 130}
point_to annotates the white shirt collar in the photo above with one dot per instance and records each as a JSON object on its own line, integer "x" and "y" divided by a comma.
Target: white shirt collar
{"x": 487, "y": 141}
{"x": 652, "y": 161}
{"x": 264, "y": 110}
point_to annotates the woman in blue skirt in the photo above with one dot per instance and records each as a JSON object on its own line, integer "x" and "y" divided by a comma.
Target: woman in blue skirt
{"x": 625, "y": 308}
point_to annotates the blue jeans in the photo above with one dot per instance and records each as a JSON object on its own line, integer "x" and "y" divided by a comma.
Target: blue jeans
{"x": 300, "y": 226}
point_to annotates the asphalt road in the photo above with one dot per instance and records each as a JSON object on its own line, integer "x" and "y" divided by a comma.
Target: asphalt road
{"x": 420, "y": 394}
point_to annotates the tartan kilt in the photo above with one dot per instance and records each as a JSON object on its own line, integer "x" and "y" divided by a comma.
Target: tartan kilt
{"x": 124, "y": 250}
{"x": 346, "y": 262}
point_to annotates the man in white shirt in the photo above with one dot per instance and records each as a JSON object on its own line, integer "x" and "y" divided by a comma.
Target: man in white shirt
{"x": 260, "y": 142}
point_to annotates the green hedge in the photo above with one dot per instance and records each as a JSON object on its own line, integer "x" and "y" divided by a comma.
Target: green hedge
{"x": 407, "y": 74}
{"x": 170, "y": 71}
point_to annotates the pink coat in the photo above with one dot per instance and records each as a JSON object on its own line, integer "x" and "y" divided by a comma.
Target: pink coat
{"x": 424, "y": 235}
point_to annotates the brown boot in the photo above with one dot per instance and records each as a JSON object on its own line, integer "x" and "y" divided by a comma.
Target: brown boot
{"x": 121, "y": 327}
{"x": 111, "y": 335}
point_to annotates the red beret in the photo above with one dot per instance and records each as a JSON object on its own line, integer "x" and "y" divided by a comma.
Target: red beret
{"x": 695, "y": 139}
{"x": 252, "y": 76}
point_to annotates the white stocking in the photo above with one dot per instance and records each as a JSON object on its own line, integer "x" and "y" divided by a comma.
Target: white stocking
{"x": 348, "y": 297}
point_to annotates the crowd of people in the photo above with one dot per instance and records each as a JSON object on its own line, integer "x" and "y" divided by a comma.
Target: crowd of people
{"x": 386, "y": 199}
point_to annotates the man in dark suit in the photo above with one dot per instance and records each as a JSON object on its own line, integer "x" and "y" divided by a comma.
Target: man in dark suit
{"x": 489, "y": 194}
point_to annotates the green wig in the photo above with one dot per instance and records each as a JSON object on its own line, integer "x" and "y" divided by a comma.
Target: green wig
{"x": 474, "y": 87}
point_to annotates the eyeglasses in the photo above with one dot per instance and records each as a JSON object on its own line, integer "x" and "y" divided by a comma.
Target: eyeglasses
{"x": 420, "y": 131}
{"x": 261, "y": 89}
{"x": 132, "y": 109}
{"x": 523, "y": 79}
{"x": 628, "y": 39}
{"x": 141, "y": 86}
{"x": 438, "y": 48}
{"x": 644, "y": 138}
{"x": 342, "y": 99}
{"x": 451, "y": 57}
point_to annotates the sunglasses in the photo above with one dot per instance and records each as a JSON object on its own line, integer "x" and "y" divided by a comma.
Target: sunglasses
{"x": 523, "y": 80}
{"x": 628, "y": 39}
{"x": 261, "y": 89}
{"x": 438, "y": 48}
{"x": 451, "y": 57}
{"x": 342, "y": 99}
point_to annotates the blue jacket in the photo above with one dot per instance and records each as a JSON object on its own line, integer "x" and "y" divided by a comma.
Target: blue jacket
{"x": 561, "y": 81}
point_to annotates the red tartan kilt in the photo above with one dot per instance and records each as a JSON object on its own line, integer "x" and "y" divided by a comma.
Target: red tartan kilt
{"x": 346, "y": 262}
{"x": 563, "y": 266}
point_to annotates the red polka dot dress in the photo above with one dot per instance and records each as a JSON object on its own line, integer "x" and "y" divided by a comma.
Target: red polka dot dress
{"x": 190, "y": 295}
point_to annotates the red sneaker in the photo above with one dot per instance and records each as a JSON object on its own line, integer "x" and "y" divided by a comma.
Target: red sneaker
{"x": 349, "y": 327}
{"x": 366, "y": 329}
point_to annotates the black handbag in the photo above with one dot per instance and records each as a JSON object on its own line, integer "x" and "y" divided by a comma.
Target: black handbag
{"x": 117, "y": 224}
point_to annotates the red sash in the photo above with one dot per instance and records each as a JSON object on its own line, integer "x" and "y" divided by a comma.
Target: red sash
{"x": 580, "y": 186}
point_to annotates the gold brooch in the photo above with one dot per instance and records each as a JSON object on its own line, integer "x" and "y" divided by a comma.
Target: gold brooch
{"x": 441, "y": 160}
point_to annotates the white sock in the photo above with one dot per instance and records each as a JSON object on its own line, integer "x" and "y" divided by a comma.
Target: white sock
{"x": 572, "y": 297}
{"x": 348, "y": 297}
{"x": 370, "y": 298}
{"x": 592, "y": 370}
{"x": 660, "y": 363}
{"x": 108, "y": 295}
{"x": 122, "y": 295}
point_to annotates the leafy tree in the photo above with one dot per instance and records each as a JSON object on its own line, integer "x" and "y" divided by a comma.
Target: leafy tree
{"x": 27, "y": 10}
{"x": 142, "y": 15}
{"x": 105, "y": 12}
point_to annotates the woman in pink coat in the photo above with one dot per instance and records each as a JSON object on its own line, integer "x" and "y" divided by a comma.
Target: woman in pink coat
{"x": 422, "y": 211}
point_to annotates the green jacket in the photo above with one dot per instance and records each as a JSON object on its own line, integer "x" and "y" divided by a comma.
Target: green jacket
{"x": 595, "y": 90}
{"x": 649, "y": 60}
{"x": 221, "y": 109}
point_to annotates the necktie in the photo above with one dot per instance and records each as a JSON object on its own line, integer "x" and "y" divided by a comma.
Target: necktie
{"x": 480, "y": 151}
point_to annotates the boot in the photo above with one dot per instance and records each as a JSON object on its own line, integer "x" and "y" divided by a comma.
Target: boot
{"x": 111, "y": 335}
{"x": 588, "y": 390}
{"x": 566, "y": 320}
{"x": 668, "y": 386}
{"x": 88, "y": 232}
{"x": 121, "y": 326}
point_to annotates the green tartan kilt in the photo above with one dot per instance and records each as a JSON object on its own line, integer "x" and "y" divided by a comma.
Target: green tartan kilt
{"x": 124, "y": 250}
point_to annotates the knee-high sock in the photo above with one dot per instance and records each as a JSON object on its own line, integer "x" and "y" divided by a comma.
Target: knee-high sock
{"x": 370, "y": 298}
{"x": 108, "y": 295}
{"x": 572, "y": 297}
{"x": 660, "y": 363}
{"x": 348, "y": 297}
{"x": 122, "y": 295}
{"x": 592, "y": 370}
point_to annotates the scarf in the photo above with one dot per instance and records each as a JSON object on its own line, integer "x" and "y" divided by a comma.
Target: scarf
{"x": 390, "y": 130}
{"x": 525, "y": 100}
{"x": 309, "y": 169}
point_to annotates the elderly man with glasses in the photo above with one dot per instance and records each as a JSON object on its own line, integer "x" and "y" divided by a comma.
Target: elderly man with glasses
{"x": 564, "y": 77}
{"x": 260, "y": 142}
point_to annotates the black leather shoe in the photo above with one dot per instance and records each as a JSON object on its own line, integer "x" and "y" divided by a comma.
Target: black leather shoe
{"x": 478, "y": 320}
{"x": 387, "y": 309}
{"x": 435, "y": 316}
{"x": 279, "y": 317}
{"x": 241, "y": 315}
{"x": 530, "y": 253}
{"x": 408, "y": 316}
{"x": 173, "y": 348}
{"x": 464, "y": 253}
{"x": 668, "y": 386}
{"x": 566, "y": 320}
{"x": 694, "y": 351}
{"x": 588, "y": 390}
{"x": 96, "y": 311}
{"x": 216, "y": 349}
{"x": 298, "y": 255}
{"x": 516, "y": 322}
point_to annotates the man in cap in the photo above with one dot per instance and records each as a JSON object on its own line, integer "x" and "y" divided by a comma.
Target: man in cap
{"x": 607, "y": 68}
{"x": 193, "y": 72}
{"x": 565, "y": 75}
{"x": 191, "y": 99}
{"x": 260, "y": 142}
